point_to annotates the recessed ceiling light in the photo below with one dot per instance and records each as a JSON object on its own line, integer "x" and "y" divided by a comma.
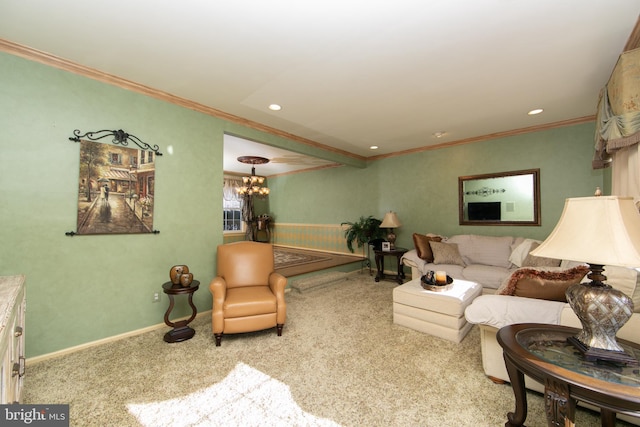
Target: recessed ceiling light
{"x": 536, "y": 111}
{"x": 275, "y": 107}
{"x": 439, "y": 134}
{"x": 373, "y": 147}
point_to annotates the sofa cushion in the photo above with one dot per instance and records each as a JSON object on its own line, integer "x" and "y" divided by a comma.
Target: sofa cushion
{"x": 541, "y": 284}
{"x": 623, "y": 279}
{"x": 521, "y": 251}
{"x": 538, "y": 261}
{"x": 487, "y": 250}
{"x": 491, "y": 277}
{"x": 446, "y": 253}
{"x": 456, "y": 271}
{"x": 626, "y": 280}
{"x": 423, "y": 249}
{"x": 502, "y": 310}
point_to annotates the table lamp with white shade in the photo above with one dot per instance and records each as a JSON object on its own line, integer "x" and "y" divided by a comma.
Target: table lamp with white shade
{"x": 391, "y": 221}
{"x": 601, "y": 230}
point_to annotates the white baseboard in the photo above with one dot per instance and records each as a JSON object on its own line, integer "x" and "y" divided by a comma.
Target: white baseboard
{"x": 70, "y": 350}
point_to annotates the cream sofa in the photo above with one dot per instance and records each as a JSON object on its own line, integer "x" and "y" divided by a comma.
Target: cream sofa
{"x": 491, "y": 312}
{"x": 487, "y": 260}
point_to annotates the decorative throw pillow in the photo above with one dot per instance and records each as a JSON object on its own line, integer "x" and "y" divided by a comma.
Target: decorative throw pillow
{"x": 538, "y": 261}
{"x": 421, "y": 243}
{"x": 547, "y": 285}
{"x": 446, "y": 253}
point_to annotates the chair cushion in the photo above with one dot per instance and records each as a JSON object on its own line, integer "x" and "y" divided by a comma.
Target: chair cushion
{"x": 249, "y": 301}
{"x": 233, "y": 259}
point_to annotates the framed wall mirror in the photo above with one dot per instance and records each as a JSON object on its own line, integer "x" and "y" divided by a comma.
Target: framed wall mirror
{"x": 505, "y": 198}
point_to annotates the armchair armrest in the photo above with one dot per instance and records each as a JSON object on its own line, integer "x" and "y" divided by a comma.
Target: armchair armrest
{"x": 218, "y": 289}
{"x": 277, "y": 283}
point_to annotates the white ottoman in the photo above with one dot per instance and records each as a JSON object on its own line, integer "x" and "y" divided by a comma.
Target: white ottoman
{"x": 436, "y": 313}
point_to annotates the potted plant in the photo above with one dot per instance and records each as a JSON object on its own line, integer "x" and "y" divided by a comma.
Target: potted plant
{"x": 362, "y": 231}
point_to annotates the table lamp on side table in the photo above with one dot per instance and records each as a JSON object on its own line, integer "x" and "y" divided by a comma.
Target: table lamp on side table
{"x": 602, "y": 230}
{"x": 391, "y": 221}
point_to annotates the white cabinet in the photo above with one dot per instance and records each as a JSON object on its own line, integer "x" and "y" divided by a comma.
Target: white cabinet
{"x": 12, "y": 313}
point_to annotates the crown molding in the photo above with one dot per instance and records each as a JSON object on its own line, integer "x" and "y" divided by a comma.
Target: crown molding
{"x": 496, "y": 135}
{"x": 72, "y": 67}
{"x": 63, "y": 64}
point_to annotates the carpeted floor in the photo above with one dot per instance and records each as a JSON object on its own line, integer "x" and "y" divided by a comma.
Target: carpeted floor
{"x": 340, "y": 359}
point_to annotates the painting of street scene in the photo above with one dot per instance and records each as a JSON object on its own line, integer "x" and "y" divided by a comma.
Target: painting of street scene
{"x": 115, "y": 189}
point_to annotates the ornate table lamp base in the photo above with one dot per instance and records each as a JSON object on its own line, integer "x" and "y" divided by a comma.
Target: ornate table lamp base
{"x": 602, "y": 311}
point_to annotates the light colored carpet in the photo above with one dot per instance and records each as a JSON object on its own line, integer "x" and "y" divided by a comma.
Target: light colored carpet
{"x": 245, "y": 394}
{"x": 340, "y": 359}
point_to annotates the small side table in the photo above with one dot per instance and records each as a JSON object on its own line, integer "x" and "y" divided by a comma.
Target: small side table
{"x": 181, "y": 331}
{"x": 380, "y": 254}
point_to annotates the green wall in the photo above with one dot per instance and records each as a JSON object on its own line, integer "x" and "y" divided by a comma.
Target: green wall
{"x": 85, "y": 288}
{"x": 423, "y": 187}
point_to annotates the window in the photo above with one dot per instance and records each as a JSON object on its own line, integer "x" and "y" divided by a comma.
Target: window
{"x": 116, "y": 158}
{"x": 232, "y": 206}
{"x": 148, "y": 154}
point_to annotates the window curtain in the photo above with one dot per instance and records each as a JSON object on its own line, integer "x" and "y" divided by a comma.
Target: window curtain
{"x": 625, "y": 172}
{"x": 618, "y": 126}
{"x": 229, "y": 189}
{"x": 230, "y": 193}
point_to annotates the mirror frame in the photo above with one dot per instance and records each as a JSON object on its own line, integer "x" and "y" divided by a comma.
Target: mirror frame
{"x": 536, "y": 197}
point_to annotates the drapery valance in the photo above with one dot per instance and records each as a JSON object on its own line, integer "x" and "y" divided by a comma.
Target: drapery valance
{"x": 230, "y": 189}
{"x": 618, "y": 115}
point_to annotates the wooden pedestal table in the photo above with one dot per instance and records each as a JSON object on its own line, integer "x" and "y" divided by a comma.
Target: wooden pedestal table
{"x": 181, "y": 331}
{"x": 543, "y": 353}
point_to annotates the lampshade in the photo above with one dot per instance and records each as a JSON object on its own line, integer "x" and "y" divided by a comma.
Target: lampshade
{"x": 597, "y": 230}
{"x": 390, "y": 220}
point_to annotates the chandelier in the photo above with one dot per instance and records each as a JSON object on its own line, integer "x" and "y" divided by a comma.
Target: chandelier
{"x": 253, "y": 185}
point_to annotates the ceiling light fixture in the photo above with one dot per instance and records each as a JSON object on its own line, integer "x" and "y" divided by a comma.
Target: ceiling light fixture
{"x": 535, "y": 111}
{"x": 275, "y": 107}
{"x": 373, "y": 147}
{"x": 439, "y": 134}
{"x": 252, "y": 185}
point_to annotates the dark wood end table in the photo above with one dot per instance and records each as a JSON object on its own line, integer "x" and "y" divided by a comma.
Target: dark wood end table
{"x": 542, "y": 352}
{"x": 181, "y": 331}
{"x": 396, "y": 252}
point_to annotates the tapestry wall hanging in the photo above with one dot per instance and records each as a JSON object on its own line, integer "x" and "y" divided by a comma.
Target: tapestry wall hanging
{"x": 116, "y": 185}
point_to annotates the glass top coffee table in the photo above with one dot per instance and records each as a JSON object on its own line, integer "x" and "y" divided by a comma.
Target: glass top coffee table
{"x": 542, "y": 352}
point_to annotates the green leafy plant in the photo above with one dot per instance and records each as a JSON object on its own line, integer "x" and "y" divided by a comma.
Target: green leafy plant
{"x": 362, "y": 231}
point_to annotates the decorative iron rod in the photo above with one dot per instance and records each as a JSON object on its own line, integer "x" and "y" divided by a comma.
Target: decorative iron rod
{"x": 120, "y": 137}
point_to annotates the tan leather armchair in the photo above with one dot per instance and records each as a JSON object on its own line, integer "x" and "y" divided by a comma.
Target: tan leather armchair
{"x": 248, "y": 295}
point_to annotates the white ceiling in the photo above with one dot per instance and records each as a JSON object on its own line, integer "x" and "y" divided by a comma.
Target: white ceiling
{"x": 280, "y": 161}
{"x": 348, "y": 73}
